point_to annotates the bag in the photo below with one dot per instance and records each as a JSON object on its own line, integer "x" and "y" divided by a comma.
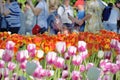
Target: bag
{"x": 36, "y": 28}
{"x": 106, "y": 13}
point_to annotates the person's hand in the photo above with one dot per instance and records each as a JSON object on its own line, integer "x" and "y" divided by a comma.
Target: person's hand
{"x": 29, "y": 1}
{"x": 80, "y": 22}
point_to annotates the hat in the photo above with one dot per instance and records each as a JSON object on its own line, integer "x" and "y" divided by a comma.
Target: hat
{"x": 79, "y": 2}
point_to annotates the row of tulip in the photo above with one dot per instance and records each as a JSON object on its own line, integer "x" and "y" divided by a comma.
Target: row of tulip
{"x": 47, "y": 42}
{"x": 65, "y": 63}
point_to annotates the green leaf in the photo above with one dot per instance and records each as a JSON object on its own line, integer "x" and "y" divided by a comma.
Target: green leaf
{"x": 30, "y": 67}
{"x": 93, "y": 73}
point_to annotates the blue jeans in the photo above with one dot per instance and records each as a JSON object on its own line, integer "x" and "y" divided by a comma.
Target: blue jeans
{"x": 81, "y": 15}
{"x": 110, "y": 26}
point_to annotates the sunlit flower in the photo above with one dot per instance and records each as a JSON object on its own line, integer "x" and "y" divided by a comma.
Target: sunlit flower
{"x": 32, "y": 50}
{"x": 89, "y": 65}
{"x": 60, "y": 62}
{"x": 82, "y": 68}
{"x": 65, "y": 74}
{"x": 61, "y": 47}
{"x": 76, "y": 75}
{"x": 100, "y": 54}
{"x": 72, "y": 50}
{"x": 10, "y": 45}
{"x": 11, "y": 66}
{"x": 2, "y": 64}
{"x": 83, "y": 54}
{"x": 51, "y": 57}
{"x": 82, "y": 46}
{"x": 7, "y": 55}
{"x": 77, "y": 60}
{"x": 21, "y": 56}
{"x": 1, "y": 52}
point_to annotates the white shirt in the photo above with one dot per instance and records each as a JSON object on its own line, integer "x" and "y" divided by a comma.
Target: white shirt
{"x": 64, "y": 13}
{"x": 115, "y": 14}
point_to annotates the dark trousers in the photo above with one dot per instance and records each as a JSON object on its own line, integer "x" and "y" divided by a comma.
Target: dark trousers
{"x": 13, "y": 29}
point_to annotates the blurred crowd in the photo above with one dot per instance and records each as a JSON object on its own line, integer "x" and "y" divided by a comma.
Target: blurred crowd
{"x": 56, "y": 17}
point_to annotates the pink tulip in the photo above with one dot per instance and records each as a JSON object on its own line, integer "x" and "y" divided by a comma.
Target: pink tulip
{"x": 60, "y": 62}
{"x": 72, "y": 50}
{"x": 65, "y": 67}
{"x": 118, "y": 46}
{"x": 89, "y": 65}
{"x": 118, "y": 64}
{"x": 65, "y": 74}
{"x": 21, "y": 56}
{"x": 7, "y": 56}
{"x": 49, "y": 73}
{"x": 32, "y": 50}
{"x": 6, "y": 72}
{"x": 107, "y": 77}
{"x": 10, "y": 45}
{"x": 114, "y": 68}
{"x": 108, "y": 55}
{"x": 23, "y": 65}
{"x": 81, "y": 46}
{"x": 61, "y": 47}
{"x": 118, "y": 57}
{"x": 82, "y": 68}
{"x": 84, "y": 54}
{"x": 11, "y": 66}
{"x": 36, "y": 73}
{"x": 51, "y": 57}
{"x": 105, "y": 65}
{"x": 76, "y": 75}
{"x": 2, "y": 64}
{"x": 66, "y": 56}
{"x": 113, "y": 43}
{"x": 77, "y": 60}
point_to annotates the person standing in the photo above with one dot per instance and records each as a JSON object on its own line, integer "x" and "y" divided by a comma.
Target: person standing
{"x": 64, "y": 11}
{"x": 12, "y": 14}
{"x": 111, "y": 23}
{"x": 80, "y": 5}
{"x": 41, "y": 13}
{"x": 94, "y": 23}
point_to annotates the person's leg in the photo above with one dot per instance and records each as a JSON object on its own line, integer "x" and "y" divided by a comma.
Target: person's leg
{"x": 106, "y": 26}
{"x": 113, "y": 27}
{"x": 13, "y": 29}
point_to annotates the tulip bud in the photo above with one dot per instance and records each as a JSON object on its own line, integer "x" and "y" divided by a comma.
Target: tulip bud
{"x": 60, "y": 62}
{"x": 2, "y": 64}
{"x": 72, "y": 50}
{"x": 81, "y": 46}
{"x": 10, "y": 45}
{"x": 100, "y": 54}
{"x": 75, "y": 75}
{"x": 65, "y": 74}
{"x": 11, "y": 66}
{"x": 77, "y": 60}
{"x": 61, "y": 47}
{"x": 51, "y": 57}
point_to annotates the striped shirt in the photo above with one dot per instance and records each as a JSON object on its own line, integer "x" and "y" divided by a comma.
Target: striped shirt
{"x": 13, "y": 18}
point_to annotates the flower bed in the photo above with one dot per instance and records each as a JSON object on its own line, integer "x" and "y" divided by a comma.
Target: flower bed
{"x": 60, "y": 57}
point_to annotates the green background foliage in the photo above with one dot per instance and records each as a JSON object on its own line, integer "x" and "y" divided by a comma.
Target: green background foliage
{"x": 72, "y": 1}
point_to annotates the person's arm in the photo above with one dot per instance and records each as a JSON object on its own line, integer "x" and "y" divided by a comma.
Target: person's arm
{"x": 36, "y": 10}
{"x": 80, "y": 22}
